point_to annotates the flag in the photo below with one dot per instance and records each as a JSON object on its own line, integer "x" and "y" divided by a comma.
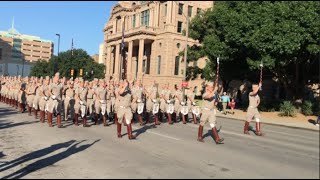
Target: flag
{"x": 122, "y": 43}
{"x": 72, "y": 47}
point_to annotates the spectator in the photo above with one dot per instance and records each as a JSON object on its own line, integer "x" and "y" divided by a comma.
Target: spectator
{"x": 225, "y": 101}
{"x": 232, "y": 105}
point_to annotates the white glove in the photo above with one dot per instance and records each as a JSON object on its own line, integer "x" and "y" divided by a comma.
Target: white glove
{"x": 81, "y": 102}
{"x": 194, "y": 103}
{"x": 168, "y": 101}
{"x": 183, "y": 103}
{"x": 153, "y": 100}
{"x": 139, "y": 100}
{"x": 53, "y": 97}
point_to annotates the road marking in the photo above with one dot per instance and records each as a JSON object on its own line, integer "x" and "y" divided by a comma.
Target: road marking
{"x": 148, "y": 131}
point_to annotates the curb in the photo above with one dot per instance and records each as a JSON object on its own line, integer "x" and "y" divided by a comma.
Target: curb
{"x": 273, "y": 124}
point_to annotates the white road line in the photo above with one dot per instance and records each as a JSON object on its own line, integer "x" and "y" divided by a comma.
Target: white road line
{"x": 148, "y": 131}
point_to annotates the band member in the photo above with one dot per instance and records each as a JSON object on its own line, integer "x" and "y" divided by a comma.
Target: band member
{"x": 55, "y": 103}
{"x": 125, "y": 112}
{"x": 191, "y": 103}
{"x": 179, "y": 102}
{"x": 37, "y": 98}
{"x": 167, "y": 103}
{"x": 44, "y": 97}
{"x": 31, "y": 92}
{"x": 69, "y": 101}
{"x": 81, "y": 102}
{"x": 252, "y": 112}
{"x": 208, "y": 114}
{"x": 90, "y": 99}
{"x": 101, "y": 102}
{"x": 137, "y": 104}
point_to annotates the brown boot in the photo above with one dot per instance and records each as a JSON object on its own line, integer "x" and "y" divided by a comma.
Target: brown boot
{"x": 141, "y": 120}
{"x": 59, "y": 121}
{"x": 130, "y": 136}
{"x": 200, "y": 131}
{"x": 35, "y": 113}
{"x": 258, "y": 130}
{"x": 104, "y": 118}
{"x": 216, "y": 137}
{"x": 246, "y": 128}
{"x": 84, "y": 122}
{"x": 118, "y": 129}
{"x": 115, "y": 118}
{"x": 194, "y": 119}
{"x": 76, "y": 119}
{"x": 29, "y": 110}
{"x": 156, "y": 119}
{"x": 16, "y": 104}
{"x": 146, "y": 117}
{"x": 183, "y": 118}
{"x": 50, "y": 115}
{"x": 42, "y": 116}
{"x": 169, "y": 118}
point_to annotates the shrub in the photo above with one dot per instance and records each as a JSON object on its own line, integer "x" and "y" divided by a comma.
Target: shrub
{"x": 269, "y": 106}
{"x": 307, "y": 108}
{"x": 287, "y": 109}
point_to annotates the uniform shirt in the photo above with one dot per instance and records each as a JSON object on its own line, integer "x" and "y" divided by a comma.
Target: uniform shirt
{"x": 137, "y": 92}
{"x": 56, "y": 89}
{"x": 90, "y": 93}
{"x": 102, "y": 93}
{"x": 253, "y": 101}
{"x": 45, "y": 89}
{"x": 152, "y": 92}
{"x": 208, "y": 103}
{"x": 125, "y": 99}
{"x": 82, "y": 93}
{"x": 191, "y": 95}
{"x": 70, "y": 93}
{"x": 179, "y": 94}
{"x": 166, "y": 93}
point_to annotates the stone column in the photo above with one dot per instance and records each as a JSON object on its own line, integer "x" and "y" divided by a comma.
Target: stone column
{"x": 117, "y": 62}
{"x": 169, "y": 12}
{"x": 129, "y": 63}
{"x": 140, "y": 57}
{"x": 108, "y": 63}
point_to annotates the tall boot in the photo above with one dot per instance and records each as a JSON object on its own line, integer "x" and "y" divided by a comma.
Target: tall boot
{"x": 246, "y": 128}
{"x": 146, "y": 117}
{"x": 29, "y": 110}
{"x": 160, "y": 116}
{"x": 16, "y": 104}
{"x": 130, "y": 136}
{"x": 115, "y": 118}
{"x": 174, "y": 117}
{"x": 76, "y": 119}
{"x": 216, "y": 137}
{"x": 96, "y": 119}
{"x": 35, "y": 111}
{"x": 118, "y": 129}
{"x": 140, "y": 120}
{"x": 59, "y": 120}
{"x": 104, "y": 118}
{"x": 50, "y": 115}
{"x": 258, "y": 130}
{"x": 200, "y": 131}
{"x": 84, "y": 122}
{"x": 183, "y": 118}
{"x": 42, "y": 116}
{"x": 169, "y": 118}
{"x": 194, "y": 118}
{"x": 156, "y": 120}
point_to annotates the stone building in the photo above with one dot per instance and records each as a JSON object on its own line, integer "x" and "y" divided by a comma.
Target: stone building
{"x": 153, "y": 38}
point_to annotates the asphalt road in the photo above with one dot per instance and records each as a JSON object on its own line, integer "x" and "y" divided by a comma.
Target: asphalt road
{"x": 30, "y": 149}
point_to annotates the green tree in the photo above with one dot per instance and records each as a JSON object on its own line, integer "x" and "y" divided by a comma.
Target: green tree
{"x": 284, "y": 36}
{"x": 40, "y": 69}
{"x": 67, "y": 61}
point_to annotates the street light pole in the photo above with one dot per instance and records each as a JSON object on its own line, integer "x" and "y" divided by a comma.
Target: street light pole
{"x": 58, "y": 43}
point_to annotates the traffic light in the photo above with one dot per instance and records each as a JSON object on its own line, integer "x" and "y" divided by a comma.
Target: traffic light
{"x": 81, "y": 72}
{"x": 72, "y": 72}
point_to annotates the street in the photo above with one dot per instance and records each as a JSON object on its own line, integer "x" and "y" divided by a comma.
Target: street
{"x": 30, "y": 149}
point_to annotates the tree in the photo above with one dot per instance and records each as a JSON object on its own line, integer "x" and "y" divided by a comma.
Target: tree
{"x": 285, "y": 36}
{"x": 40, "y": 69}
{"x": 66, "y": 61}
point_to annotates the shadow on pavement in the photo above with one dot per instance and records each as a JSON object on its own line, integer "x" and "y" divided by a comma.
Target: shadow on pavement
{"x": 2, "y": 155}
{"x": 5, "y": 125}
{"x": 312, "y": 121}
{"x": 142, "y": 130}
{"x": 46, "y": 161}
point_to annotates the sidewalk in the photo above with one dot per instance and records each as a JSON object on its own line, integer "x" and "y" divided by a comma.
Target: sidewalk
{"x": 301, "y": 121}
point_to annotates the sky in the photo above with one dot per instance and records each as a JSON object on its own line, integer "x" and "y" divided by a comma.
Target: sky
{"x": 81, "y": 20}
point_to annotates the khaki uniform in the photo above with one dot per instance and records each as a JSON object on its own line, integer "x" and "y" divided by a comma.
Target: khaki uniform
{"x": 37, "y": 99}
{"x": 152, "y": 96}
{"x": 165, "y": 104}
{"x": 69, "y": 103}
{"x": 137, "y": 95}
{"x": 55, "y": 101}
{"x": 81, "y": 104}
{"x": 90, "y": 101}
{"x": 191, "y": 96}
{"x": 112, "y": 97}
{"x": 117, "y": 100}
{"x": 208, "y": 112}
{"x": 44, "y": 97}
{"x": 31, "y": 92}
{"x": 101, "y": 100}
{"x": 252, "y": 112}
{"x": 124, "y": 110}
{"x": 177, "y": 105}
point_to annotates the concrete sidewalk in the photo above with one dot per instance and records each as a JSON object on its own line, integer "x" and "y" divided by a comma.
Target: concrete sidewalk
{"x": 279, "y": 122}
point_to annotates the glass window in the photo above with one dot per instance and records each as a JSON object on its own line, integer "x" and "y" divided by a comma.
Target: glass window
{"x": 134, "y": 20}
{"x": 145, "y": 17}
{"x": 180, "y": 9}
{"x": 179, "y": 27}
{"x": 159, "y": 64}
{"x": 176, "y": 65}
{"x": 165, "y": 9}
{"x": 189, "y": 11}
{"x": 198, "y": 10}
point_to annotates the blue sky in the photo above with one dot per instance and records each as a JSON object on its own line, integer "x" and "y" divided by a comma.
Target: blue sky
{"x": 83, "y": 21}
